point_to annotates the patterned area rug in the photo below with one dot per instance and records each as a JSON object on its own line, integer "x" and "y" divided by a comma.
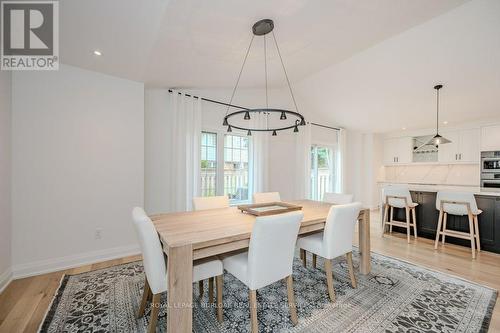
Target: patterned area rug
{"x": 395, "y": 297}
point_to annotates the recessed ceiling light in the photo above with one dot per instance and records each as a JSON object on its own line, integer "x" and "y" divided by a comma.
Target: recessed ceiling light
{"x": 445, "y": 122}
{"x": 403, "y": 128}
{"x": 97, "y": 53}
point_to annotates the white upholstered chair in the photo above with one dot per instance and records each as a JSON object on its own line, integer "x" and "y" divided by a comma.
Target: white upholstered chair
{"x": 398, "y": 196}
{"x": 458, "y": 203}
{"x": 269, "y": 258}
{"x": 202, "y": 203}
{"x": 334, "y": 241}
{"x": 337, "y": 198}
{"x": 264, "y": 197}
{"x": 333, "y": 198}
{"x": 156, "y": 270}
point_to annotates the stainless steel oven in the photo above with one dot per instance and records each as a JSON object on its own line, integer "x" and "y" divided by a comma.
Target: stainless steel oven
{"x": 490, "y": 181}
{"x": 490, "y": 171}
{"x": 490, "y": 162}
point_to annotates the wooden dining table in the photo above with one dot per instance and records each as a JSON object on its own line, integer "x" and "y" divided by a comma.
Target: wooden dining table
{"x": 189, "y": 236}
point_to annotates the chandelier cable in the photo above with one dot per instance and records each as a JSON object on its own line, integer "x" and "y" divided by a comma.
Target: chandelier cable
{"x": 284, "y": 70}
{"x": 239, "y": 75}
{"x": 265, "y": 70}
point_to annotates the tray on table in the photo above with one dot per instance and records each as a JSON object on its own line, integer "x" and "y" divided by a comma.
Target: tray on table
{"x": 268, "y": 208}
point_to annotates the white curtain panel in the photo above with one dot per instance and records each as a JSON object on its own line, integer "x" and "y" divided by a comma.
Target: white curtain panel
{"x": 341, "y": 162}
{"x": 303, "y": 162}
{"x": 259, "y": 168}
{"x": 184, "y": 150}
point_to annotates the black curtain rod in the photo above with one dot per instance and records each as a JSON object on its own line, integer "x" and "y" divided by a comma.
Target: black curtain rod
{"x": 240, "y": 107}
{"x": 212, "y": 101}
{"x": 324, "y": 126}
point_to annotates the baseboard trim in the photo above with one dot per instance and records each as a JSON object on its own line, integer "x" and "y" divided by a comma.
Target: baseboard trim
{"x": 67, "y": 262}
{"x": 5, "y": 278}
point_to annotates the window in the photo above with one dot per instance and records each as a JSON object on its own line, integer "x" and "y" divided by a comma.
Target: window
{"x": 322, "y": 171}
{"x": 236, "y": 167}
{"x": 230, "y": 178}
{"x": 208, "y": 164}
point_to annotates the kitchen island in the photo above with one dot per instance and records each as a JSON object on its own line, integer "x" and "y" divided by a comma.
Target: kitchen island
{"x": 427, "y": 215}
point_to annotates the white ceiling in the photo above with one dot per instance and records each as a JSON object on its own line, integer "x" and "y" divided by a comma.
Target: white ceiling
{"x": 390, "y": 85}
{"x": 201, "y": 44}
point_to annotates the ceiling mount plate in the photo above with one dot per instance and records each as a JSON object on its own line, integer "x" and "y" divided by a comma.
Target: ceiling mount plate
{"x": 439, "y": 86}
{"x": 263, "y": 27}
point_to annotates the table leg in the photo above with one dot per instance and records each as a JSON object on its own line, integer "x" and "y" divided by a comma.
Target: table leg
{"x": 180, "y": 289}
{"x": 364, "y": 242}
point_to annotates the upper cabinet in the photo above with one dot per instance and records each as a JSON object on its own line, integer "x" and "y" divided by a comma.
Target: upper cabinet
{"x": 490, "y": 138}
{"x": 464, "y": 147}
{"x": 397, "y": 150}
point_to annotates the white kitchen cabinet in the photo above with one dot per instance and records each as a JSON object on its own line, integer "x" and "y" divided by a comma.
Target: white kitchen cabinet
{"x": 448, "y": 153}
{"x": 397, "y": 151}
{"x": 490, "y": 138}
{"x": 464, "y": 147}
{"x": 470, "y": 145}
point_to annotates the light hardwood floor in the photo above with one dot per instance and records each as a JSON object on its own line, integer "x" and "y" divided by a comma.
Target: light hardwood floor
{"x": 24, "y": 302}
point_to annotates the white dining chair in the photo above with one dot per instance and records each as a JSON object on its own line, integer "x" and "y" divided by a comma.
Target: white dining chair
{"x": 461, "y": 204}
{"x": 334, "y": 241}
{"x": 265, "y": 197}
{"x": 269, "y": 259}
{"x": 337, "y": 198}
{"x": 155, "y": 268}
{"x": 398, "y": 196}
{"x": 203, "y": 203}
{"x": 333, "y": 198}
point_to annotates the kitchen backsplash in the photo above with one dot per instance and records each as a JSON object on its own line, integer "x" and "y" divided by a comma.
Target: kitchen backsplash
{"x": 452, "y": 174}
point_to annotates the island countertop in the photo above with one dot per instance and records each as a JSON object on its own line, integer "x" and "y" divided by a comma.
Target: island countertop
{"x": 442, "y": 187}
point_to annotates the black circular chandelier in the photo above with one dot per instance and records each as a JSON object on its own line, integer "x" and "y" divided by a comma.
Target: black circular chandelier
{"x": 262, "y": 28}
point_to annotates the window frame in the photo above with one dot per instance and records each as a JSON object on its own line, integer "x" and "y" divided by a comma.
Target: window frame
{"x": 314, "y": 169}
{"x": 219, "y": 187}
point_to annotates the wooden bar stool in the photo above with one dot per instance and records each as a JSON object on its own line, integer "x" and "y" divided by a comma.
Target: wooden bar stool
{"x": 399, "y": 197}
{"x": 460, "y": 204}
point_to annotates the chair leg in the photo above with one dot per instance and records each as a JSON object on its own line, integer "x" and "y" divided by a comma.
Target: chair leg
{"x": 445, "y": 228}
{"x": 219, "y": 281}
{"x": 315, "y": 257}
{"x": 211, "y": 290}
{"x": 350, "y": 266}
{"x": 155, "y": 309}
{"x": 145, "y": 297}
{"x": 252, "y": 298}
{"x": 407, "y": 210}
{"x": 472, "y": 237}
{"x": 384, "y": 218}
{"x": 329, "y": 279}
{"x": 414, "y": 214}
{"x": 200, "y": 287}
{"x": 438, "y": 230}
{"x": 304, "y": 257}
{"x": 391, "y": 220}
{"x": 292, "y": 306}
{"x": 476, "y": 227}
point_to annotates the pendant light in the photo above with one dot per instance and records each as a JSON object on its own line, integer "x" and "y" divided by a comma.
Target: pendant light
{"x": 438, "y": 139}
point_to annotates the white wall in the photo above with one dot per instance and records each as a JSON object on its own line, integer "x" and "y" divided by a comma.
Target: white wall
{"x": 78, "y": 166}
{"x": 5, "y": 176}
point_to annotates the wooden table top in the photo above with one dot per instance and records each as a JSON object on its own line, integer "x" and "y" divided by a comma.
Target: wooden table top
{"x": 217, "y": 226}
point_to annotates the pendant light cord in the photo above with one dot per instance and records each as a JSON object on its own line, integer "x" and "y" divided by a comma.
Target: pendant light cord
{"x": 437, "y": 112}
{"x": 284, "y": 70}
{"x": 239, "y": 75}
